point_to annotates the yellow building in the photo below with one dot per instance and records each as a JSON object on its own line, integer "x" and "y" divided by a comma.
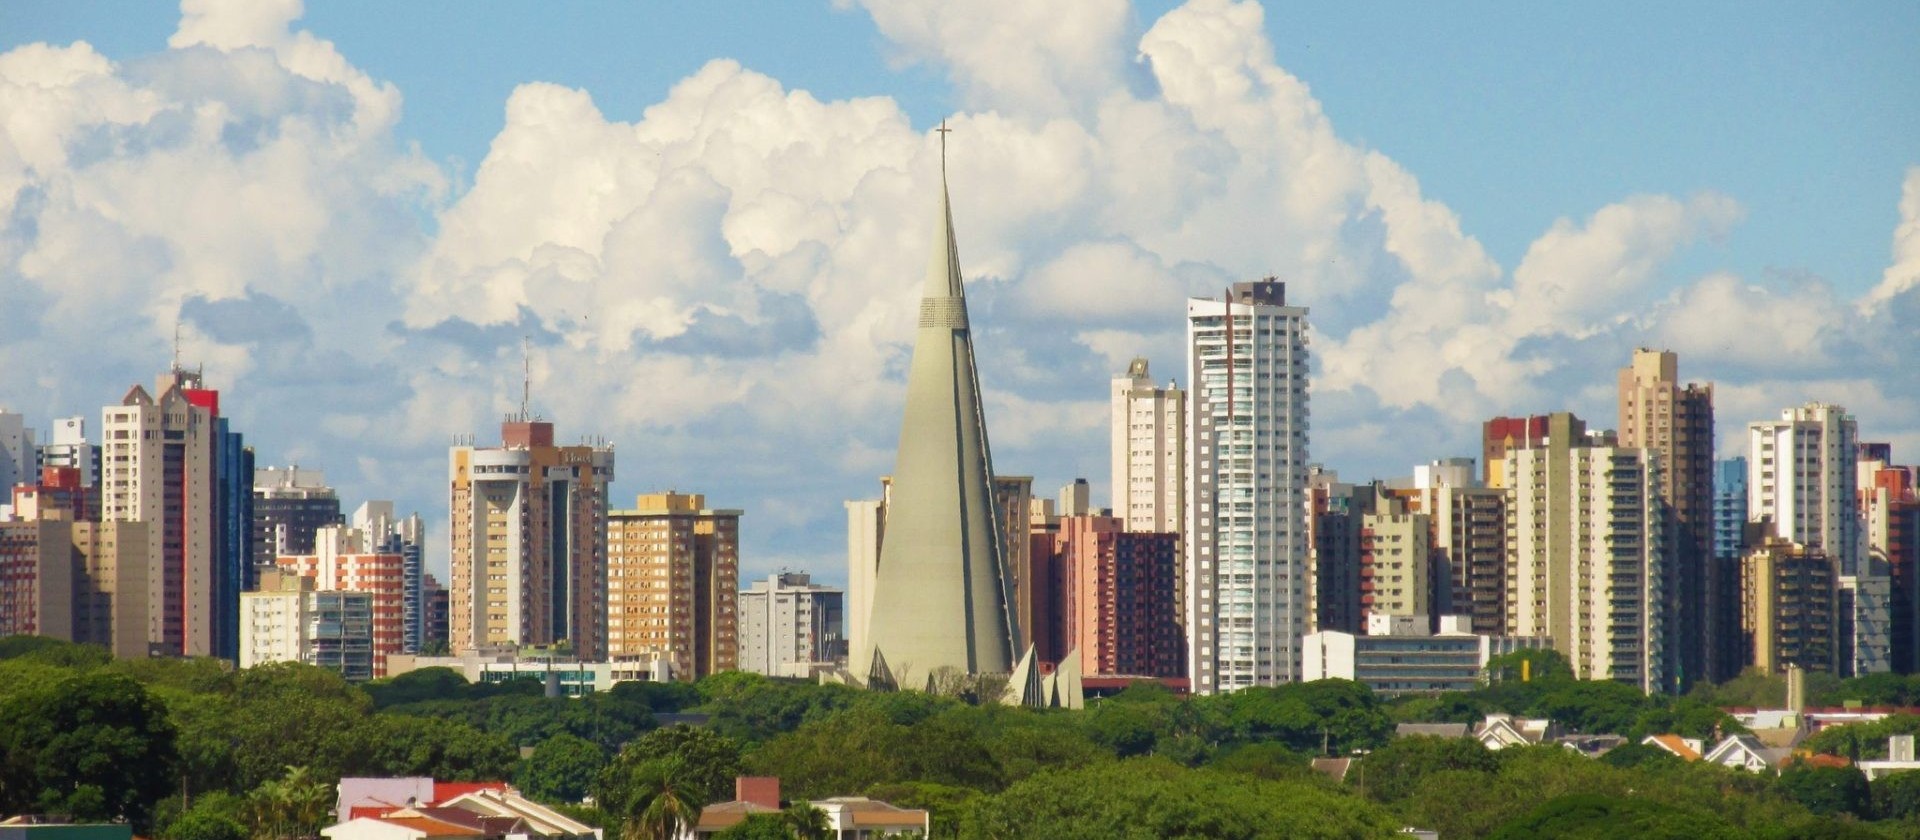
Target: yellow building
{"x": 673, "y": 583}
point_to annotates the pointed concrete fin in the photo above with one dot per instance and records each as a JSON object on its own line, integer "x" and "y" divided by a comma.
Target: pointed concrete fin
{"x": 943, "y": 265}
{"x": 1068, "y": 693}
{"x": 1023, "y": 686}
{"x": 879, "y": 677}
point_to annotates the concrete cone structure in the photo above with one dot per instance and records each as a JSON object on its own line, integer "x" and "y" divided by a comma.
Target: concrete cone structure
{"x": 940, "y": 592}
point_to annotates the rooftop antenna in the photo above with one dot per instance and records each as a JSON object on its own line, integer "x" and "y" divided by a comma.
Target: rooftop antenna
{"x": 526, "y": 377}
{"x": 176, "y": 343}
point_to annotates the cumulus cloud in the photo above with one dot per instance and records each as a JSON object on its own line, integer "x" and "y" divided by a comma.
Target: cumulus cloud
{"x": 726, "y": 285}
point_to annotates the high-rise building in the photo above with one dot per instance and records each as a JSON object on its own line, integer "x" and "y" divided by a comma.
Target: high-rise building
{"x": 234, "y": 571}
{"x": 941, "y": 591}
{"x": 379, "y": 530}
{"x": 288, "y": 620}
{"x": 1802, "y": 481}
{"x": 1504, "y": 434}
{"x": 290, "y": 505}
{"x": 790, "y": 626}
{"x": 1334, "y": 509}
{"x": 1587, "y": 534}
{"x": 673, "y": 582}
{"x": 1111, "y": 599}
{"x": 1149, "y": 452}
{"x": 1246, "y": 535}
{"x": 1675, "y": 422}
{"x": 437, "y": 604}
{"x": 158, "y": 467}
{"x": 36, "y": 577}
{"x": 528, "y": 541}
{"x": 1469, "y": 535}
{"x": 1892, "y": 538}
{"x": 16, "y": 453}
{"x": 1801, "y": 477}
{"x": 110, "y": 586}
{"x": 1729, "y": 556}
{"x": 1396, "y": 563}
{"x": 70, "y": 449}
{"x": 348, "y": 560}
{"x": 1789, "y": 608}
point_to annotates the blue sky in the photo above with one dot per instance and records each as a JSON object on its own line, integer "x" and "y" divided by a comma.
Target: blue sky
{"x": 1486, "y": 206}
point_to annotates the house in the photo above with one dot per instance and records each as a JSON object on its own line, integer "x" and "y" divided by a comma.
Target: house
{"x": 1899, "y": 759}
{"x": 42, "y": 828}
{"x": 1591, "y": 746}
{"x": 858, "y": 818}
{"x": 1685, "y": 749}
{"x": 1500, "y": 731}
{"x": 1746, "y": 752}
{"x": 1435, "y": 730}
{"x": 848, "y": 817}
{"x": 417, "y": 808}
{"x": 1332, "y": 768}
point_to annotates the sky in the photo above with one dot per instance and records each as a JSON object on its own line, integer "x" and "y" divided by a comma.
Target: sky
{"x": 710, "y": 221}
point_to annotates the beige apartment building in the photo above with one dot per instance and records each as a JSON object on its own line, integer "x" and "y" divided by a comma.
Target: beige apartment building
{"x": 673, "y": 583}
{"x": 527, "y": 533}
{"x": 156, "y": 464}
{"x": 1789, "y": 608}
{"x": 1586, "y": 536}
{"x": 110, "y": 587}
{"x": 1675, "y": 423}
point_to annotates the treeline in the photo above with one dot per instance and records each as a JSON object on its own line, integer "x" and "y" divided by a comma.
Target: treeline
{"x": 192, "y": 750}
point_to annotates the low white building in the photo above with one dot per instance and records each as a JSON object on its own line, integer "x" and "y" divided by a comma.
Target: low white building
{"x": 1408, "y": 661}
{"x": 1900, "y": 759}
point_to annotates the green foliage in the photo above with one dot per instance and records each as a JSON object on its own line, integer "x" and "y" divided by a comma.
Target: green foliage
{"x": 1396, "y": 770}
{"x": 1540, "y": 665}
{"x": 864, "y": 747}
{"x": 1861, "y": 741}
{"x": 698, "y": 762}
{"x": 54, "y": 652}
{"x": 203, "y": 825}
{"x": 1752, "y": 689}
{"x": 656, "y": 797}
{"x": 752, "y": 708}
{"x": 1337, "y": 715}
{"x": 1897, "y": 797}
{"x": 946, "y": 805}
{"x": 1587, "y": 815}
{"x": 757, "y": 827}
{"x": 95, "y": 745}
{"x": 1828, "y": 790}
{"x": 561, "y": 769}
{"x": 295, "y": 805}
{"x": 1154, "y": 798}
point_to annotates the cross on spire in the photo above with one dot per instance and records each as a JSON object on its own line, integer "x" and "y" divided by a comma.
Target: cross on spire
{"x": 944, "y": 131}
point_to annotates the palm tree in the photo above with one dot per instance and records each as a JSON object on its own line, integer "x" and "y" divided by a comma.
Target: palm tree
{"x": 807, "y": 822}
{"x": 665, "y": 802}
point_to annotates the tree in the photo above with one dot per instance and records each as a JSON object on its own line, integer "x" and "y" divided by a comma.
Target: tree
{"x": 705, "y": 761}
{"x": 757, "y": 827}
{"x": 1897, "y": 797}
{"x": 561, "y": 769}
{"x": 97, "y": 746}
{"x": 1635, "y": 755}
{"x": 1828, "y": 790}
{"x": 1398, "y": 769}
{"x": 205, "y": 825}
{"x": 1599, "y": 817}
{"x": 294, "y": 806}
{"x": 656, "y": 800}
{"x": 807, "y": 822}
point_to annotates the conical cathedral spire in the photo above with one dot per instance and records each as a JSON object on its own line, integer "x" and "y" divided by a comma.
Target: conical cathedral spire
{"x": 940, "y": 592}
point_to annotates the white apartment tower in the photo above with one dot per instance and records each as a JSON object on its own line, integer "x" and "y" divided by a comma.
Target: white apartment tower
{"x": 790, "y": 626}
{"x": 1246, "y": 536}
{"x": 1586, "y": 531}
{"x": 1149, "y": 452}
{"x": 1801, "y": 477}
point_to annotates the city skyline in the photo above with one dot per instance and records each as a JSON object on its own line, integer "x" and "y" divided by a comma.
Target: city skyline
{"x": 738, "y": 317}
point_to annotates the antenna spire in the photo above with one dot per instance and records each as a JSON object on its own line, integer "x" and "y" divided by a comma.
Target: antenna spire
{"x": 526, "y": 377}
{"x": 176, "y": 343}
